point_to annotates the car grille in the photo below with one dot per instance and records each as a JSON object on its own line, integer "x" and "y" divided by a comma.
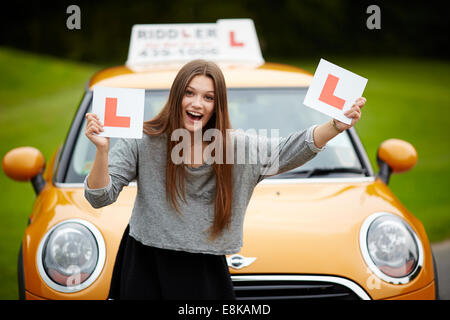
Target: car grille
{"x": 295, "y": 287}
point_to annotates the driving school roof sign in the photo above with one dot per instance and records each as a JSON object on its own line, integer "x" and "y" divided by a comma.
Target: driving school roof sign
{"x": 226, "y": 41}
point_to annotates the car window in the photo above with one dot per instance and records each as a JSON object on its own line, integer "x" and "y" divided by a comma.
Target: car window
{"x": 262, "y": 108}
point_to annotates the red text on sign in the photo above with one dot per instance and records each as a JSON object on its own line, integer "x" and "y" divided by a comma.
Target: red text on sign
{"x": 233, "y": 42}
{"x": 111, "y": 118}
{"x": 327, "y": 94}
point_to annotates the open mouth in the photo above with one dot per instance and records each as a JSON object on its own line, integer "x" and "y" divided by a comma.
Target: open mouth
{"x": 194, "y": 115}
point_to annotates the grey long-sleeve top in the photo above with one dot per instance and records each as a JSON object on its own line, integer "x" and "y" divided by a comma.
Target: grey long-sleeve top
{"x": 155, "y": 223}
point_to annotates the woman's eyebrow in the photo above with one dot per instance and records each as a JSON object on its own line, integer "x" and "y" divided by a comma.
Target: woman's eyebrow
{"x": 199, "y": 90}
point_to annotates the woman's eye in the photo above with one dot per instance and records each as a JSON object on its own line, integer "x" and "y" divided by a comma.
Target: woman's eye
{"x": 209, "y": 98}
{"x": 189, "y": 92}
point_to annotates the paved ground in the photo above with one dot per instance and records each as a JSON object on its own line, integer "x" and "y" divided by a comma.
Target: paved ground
{"x": 442, "y": 255}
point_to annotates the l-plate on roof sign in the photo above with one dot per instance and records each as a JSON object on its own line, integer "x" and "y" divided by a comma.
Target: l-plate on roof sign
{"x": 333, "y": 90}
{"x": 227, "y": 41}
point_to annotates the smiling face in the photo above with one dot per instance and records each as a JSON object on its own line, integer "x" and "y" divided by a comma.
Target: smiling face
{"x": 198, "y": 103}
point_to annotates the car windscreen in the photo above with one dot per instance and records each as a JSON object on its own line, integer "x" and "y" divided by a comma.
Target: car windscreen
{"x": 250, "y": 110}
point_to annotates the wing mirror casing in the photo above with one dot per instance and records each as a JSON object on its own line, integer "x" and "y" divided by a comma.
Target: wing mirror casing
{"x": 25, "y": 164}
{"x": 395, "y": 156}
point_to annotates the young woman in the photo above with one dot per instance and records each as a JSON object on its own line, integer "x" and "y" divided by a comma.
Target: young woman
{"x": 187, "y": 216}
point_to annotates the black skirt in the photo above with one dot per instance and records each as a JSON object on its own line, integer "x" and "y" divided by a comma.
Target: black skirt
{"x": 145, "y": 272}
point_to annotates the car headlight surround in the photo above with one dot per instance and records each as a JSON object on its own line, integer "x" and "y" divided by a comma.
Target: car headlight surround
{"x": 391, "y": 248}
{"x": 71, "y": 255}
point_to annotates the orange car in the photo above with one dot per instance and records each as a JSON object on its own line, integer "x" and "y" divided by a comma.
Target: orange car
{"x": 331, "y": 229}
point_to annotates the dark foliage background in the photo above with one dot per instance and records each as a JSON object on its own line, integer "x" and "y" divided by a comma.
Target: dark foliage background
{"x": 286, "y": 28}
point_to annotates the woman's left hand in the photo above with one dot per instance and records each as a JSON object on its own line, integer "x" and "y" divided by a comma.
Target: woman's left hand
{"x": 354, "y": 112}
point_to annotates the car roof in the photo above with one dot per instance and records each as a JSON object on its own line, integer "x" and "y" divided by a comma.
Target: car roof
{"x": 266, "y": 75}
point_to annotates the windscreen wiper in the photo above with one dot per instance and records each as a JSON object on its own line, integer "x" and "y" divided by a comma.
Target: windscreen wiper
{"x": 323, "y": 171}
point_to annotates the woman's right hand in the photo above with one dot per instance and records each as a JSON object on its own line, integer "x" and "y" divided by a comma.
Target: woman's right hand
{"x": 93, "y": 128}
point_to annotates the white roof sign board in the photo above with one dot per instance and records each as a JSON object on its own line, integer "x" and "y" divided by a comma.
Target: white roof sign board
{"x": 227, "y": 41}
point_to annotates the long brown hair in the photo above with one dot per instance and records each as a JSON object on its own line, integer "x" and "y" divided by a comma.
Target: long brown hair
{"x": 170, "y": 118}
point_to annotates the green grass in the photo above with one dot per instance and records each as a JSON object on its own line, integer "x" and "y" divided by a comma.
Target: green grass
{"x": 38, "y": 98}
{"x": 407, "y": 99}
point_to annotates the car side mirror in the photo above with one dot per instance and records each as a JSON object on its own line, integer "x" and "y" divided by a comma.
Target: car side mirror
{"x": 395, "y": 156}
{"x": 25, "y": 164}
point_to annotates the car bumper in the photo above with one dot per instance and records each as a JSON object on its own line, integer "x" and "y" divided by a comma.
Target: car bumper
{"x": 30, "y": 296}
{"x": 426, "y": 293}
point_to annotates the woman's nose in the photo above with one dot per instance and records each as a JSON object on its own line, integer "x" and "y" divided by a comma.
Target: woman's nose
{"x": 197, "y": 101}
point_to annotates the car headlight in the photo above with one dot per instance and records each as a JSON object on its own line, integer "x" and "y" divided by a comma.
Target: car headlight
{"x": 71, "y": 255}
{"x": 391, "y": 248}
